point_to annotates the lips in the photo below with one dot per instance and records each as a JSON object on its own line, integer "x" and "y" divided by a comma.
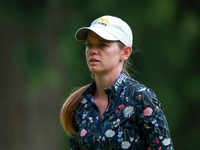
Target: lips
{"x": 93, "y": 60}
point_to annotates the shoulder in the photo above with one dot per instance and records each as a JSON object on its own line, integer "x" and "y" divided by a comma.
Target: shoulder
{"x": 81, "y": 105}
{"x": 134, "y": 87}
{"x": 139, "y": 88}
{"x": 79, "y": 112}
{"x": 141, "y": 93}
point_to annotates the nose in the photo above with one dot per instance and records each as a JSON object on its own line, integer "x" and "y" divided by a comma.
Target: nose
{"x": 93, "y": 50}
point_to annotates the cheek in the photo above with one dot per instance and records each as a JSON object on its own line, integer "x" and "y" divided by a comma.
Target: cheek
{"x": 111, "y": 59}
{"x": 86, "y": 54}
{"x": 114, "y": 56}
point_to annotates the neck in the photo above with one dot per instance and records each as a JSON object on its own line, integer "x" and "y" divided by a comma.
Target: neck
{"x": 105, "y": 81}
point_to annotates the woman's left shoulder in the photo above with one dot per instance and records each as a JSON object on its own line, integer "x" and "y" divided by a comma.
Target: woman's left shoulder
{"x": 137, "y": 89}
{"x": 135, "y": 85}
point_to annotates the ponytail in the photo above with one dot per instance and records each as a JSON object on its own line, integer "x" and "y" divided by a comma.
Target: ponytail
{"x": 67, "y": 111}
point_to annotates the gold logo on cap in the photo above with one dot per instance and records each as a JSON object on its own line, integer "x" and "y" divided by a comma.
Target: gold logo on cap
{"x": 102, "y": 20}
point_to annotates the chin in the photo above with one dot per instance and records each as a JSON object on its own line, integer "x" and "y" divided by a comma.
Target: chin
{"x": 94, "y": 70}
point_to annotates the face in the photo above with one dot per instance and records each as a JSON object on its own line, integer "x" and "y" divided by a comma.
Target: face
{"x": 102, "y": 56}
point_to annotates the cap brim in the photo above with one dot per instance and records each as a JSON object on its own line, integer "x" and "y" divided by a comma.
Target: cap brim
{"x": 82, "y": 33}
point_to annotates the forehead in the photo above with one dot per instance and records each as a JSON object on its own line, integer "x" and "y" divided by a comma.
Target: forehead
{"x": 95, "y": 37}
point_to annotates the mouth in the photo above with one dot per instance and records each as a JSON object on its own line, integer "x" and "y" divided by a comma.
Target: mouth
{"x": 93, "y": 60}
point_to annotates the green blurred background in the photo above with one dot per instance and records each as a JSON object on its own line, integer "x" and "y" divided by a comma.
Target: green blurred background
{"x": 41, "y": 62}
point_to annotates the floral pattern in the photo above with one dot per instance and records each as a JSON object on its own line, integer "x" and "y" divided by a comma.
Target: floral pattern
{"x": 128, "y": 111}
{"x": 109, "y": 133}
{"x": 126, "y": 144}
{"x": 83, "y": 132}
{"x": 148, "y": 111}
{"x": 134, "y": 119}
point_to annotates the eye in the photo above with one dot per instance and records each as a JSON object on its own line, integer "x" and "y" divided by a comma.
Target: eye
{"x": 88, "y": 45}
{"x": 103, "y": 44}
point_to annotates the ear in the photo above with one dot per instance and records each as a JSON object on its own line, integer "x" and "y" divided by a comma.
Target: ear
{"x": 126, "y": 52}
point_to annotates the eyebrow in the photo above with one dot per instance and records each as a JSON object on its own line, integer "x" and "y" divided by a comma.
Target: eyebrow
{"x": 102, "y": 40}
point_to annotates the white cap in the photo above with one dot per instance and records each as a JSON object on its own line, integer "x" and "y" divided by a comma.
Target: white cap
{"x": 109, "y": 28}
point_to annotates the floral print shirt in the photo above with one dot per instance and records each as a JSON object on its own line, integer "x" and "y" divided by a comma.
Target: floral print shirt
{"x": 133, "y": 120}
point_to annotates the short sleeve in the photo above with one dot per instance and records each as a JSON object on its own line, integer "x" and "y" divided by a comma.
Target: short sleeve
{"x": 151, "y": 120}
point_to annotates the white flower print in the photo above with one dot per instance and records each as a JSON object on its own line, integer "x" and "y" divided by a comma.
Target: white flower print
{"x": 131, "y": 139}
{"x": 116, "y": 123}
{"x": 166, "y": 141}
{"x": 126, "y": 144}
{"x": 83, "y": 101}
{"x": 109, "y": 133}
{"x": 128, "y": 111}
{"x": 143, "y": 89}
{"x": 161, "y": 137}
{"x": 91, "y": 119}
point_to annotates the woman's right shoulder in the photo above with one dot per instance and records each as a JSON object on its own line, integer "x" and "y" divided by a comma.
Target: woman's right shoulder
{"x": 81, "y": 105}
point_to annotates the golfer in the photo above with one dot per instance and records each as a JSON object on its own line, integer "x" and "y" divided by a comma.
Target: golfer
{"x": 114, "y": 111}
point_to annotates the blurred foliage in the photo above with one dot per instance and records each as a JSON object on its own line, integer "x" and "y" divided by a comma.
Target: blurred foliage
{"x": 39, "y": 38}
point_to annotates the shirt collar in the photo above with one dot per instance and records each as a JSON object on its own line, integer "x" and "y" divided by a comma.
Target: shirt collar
{"x": 116, "y": 88}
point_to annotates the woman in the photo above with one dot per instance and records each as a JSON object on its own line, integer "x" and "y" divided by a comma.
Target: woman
{"x": 115, "y": 111}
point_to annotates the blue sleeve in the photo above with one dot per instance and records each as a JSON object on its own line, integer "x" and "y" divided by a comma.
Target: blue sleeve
{"x": 152, "y": 122}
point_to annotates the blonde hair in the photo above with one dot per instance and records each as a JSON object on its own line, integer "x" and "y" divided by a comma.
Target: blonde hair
{"x": 67, "y": 111}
